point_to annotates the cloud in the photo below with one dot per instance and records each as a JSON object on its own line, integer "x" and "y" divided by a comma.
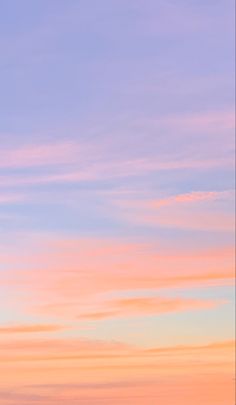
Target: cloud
{"x": 68, "y": 369}
{"x": 143, "y": 306}
{"x": 194, "y": 210}
{"x": 211, "y": 390}
{"x": 76, "y": 349}
{"x": 210, "y": 121}
{"x": 71, "y": 277}
{"x": 99, "y": 171}
{"x": 11, "y": 198}
{"x": 191, "y": 198}
{"x": 99, "y": 159}
{"x": 38, "y": 155}
{"x": 30, "y": 328}
{"x": 211, "y": 347}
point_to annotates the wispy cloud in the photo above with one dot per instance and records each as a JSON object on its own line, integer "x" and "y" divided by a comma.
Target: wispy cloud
{"x": 96, "y": 159}
{"x": 192, "y": 197}
{"x": 194, "y": 210}
{"x": 30, "y": 328}
{"x": 114, "y": 170}
{"x": 49, "y": 366}
{"x": 42, "y": 154}
{"x": 11, "y": 198}
{"x": 144, "y": 306}
{"x": 70, "y": 278}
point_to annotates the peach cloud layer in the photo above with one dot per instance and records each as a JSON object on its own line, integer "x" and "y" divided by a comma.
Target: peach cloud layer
{"x": 59, "y": 370}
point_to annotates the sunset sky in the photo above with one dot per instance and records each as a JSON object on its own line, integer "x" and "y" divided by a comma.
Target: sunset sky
{"x": 117, "y": 202}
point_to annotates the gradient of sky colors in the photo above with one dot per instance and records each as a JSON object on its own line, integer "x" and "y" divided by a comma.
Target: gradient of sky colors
{"x": 117, "y": 202}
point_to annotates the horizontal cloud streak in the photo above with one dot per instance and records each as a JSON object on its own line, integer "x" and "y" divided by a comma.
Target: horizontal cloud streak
{"x": 31, "y": 328}
{"x": 147, "y": 306}
{"x": 194, "y": 210}
{"x": 193, "y": 197}
{"x": 38, "y": 155}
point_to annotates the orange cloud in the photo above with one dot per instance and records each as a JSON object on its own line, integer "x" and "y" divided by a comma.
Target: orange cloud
{"x": 147, "y": 306}
{"x": 74, "y": 349}
{"x": 80, "y": 362}
{"x": 211, "y": 347}
{"x": 31, "y": 328}
{"x": 208, "y": 390}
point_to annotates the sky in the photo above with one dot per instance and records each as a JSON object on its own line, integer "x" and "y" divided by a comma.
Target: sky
{"x": 117, "y": 202}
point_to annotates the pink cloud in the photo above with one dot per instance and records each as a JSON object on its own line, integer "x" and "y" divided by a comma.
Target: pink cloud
{"x": 11, "y": 198}
{"x": 194, "y": 210}
{"x": 71, "y": 278}
{"x": 209, "y": 121}
{"x": 39, "y": 154}
{"x": 121, "y": 168}
{"x": 193, "y": 197}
